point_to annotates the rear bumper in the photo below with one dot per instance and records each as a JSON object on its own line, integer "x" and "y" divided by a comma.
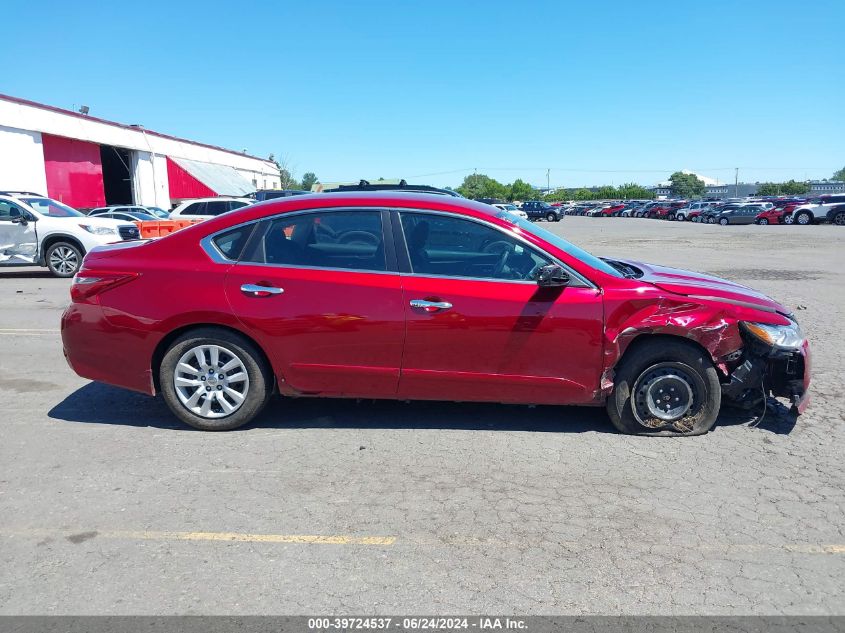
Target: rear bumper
{"x": 97, "y": 350}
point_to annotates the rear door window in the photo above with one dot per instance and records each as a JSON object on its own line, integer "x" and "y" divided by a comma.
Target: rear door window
{"x": 350, "y": 240}
{"x": 197, "y": 208}
{"x": 216, "y": 207}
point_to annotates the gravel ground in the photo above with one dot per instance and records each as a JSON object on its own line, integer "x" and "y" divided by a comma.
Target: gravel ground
{"x": 108, "y": 506}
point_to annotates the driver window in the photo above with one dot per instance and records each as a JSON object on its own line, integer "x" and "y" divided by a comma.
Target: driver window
{"x": 335, "y": 239}
{"x": 455, "y": 247}
{"x": 9, "y": 211}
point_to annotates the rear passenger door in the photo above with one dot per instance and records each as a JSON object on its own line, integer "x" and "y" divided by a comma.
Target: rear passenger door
{"x": 320, "y": 292}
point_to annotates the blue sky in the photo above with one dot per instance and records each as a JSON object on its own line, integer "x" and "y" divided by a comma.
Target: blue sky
{"x": 600, "y": 92}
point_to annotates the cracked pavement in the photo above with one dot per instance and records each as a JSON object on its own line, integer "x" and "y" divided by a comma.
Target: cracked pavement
{"x": 494, "y": 509}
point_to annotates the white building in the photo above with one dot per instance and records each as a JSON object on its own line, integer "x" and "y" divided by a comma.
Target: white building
{"x": 88, "y": 162}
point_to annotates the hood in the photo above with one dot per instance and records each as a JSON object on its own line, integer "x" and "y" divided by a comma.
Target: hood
{"x": 691, "y": 284}
{"x": 106, "y": 222}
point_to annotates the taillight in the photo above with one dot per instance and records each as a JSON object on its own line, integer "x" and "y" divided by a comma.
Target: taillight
{"x": 88, "y": 284}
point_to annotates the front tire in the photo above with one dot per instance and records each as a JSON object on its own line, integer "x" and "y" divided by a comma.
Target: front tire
{"x": 803, "y": 218}
{"x": 551, "y": 217}
{"x": 214, "y": 379}
{"x": 665, "y": 387}
{"x": 762, "y": 221}
{"x": 723, "y": 221}
{"x": 63, "y": 259}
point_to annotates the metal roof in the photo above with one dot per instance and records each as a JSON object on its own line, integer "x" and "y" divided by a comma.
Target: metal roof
{"x": 222, "y": 179}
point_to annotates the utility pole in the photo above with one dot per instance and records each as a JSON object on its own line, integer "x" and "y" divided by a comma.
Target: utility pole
{"x": 736, "y": 183}
{"x": 548, "y": 186}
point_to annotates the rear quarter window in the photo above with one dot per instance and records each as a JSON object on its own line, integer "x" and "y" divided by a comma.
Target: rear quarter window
{"x": 231, "y": 243}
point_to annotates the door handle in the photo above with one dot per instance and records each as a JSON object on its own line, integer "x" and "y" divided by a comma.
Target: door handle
{"x": 260, "y": 291}
{"x": 430, "y": 306}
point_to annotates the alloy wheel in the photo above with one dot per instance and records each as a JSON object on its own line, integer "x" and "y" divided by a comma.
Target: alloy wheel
{"x": 839, "y": 219}
{"x": 64, "y": 260}
{"x": 211, "y": 381}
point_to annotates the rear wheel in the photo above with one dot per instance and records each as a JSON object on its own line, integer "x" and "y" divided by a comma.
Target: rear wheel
{"x": 839, "y": 218}
{"x": 214, "y": 379}
{"x": 63, "y": 259}
{"x": 665, "y": 388}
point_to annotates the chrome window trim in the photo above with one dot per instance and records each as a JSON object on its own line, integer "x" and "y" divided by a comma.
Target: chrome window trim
{"x": 208, "y": 245}
{"x": 210, "y": 248}
{"x": 573, "y": 273}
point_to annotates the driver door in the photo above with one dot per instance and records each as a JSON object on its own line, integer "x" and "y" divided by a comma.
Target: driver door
{"x": 18, "y": 237}
{"x": 479, "y": 328}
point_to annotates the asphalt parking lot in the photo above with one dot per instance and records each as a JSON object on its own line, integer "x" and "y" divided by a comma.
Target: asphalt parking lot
{"x": 110, "y": 506}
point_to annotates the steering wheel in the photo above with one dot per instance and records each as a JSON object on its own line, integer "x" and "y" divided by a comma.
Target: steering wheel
{"x": 506, "y": 249}
{"x": 358, "y": 237}
{"x": 500, "y": 265}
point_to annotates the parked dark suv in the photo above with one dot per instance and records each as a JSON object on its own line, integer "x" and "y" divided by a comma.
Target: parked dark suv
{"x": 538, "y": 210}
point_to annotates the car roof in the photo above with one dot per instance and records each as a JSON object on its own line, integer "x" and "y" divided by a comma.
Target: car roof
{"x": 353, "y": 201}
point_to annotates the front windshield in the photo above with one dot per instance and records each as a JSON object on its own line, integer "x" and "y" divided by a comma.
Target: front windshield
{"x": 562, "y": 244}
{"x": 510, "y": 207}
{"x": 52, "y": 208}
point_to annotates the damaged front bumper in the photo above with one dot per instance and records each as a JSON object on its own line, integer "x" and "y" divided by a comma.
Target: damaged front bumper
{"x": 761, "y": 371}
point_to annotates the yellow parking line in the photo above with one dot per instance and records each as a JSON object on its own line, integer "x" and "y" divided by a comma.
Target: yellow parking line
{"x": 242, "y": 537}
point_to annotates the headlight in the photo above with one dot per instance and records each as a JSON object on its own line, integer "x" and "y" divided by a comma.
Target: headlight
{"x": 778, "y": 336}
{"x": 98, "y": 230}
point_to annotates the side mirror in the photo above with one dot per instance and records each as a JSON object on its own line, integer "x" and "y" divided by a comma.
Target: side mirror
{"x": 20, "y": 219}
{"x": 552, "y": 275}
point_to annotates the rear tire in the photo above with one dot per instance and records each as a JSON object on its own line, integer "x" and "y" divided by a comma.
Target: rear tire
{"x": 839, "y": 218}
{"x": 671, "y": 365}
{"x": 230, "y": 347}
{"x": 63, "y": 259}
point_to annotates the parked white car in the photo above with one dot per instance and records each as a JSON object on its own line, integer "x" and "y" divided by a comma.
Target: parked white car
{"x": 682, "y": 214}
{"x": 512, "y": 209}
{"x": 35, "y": 230}
{"x": 205, "y": 208}
{"x": 828, "y": 208}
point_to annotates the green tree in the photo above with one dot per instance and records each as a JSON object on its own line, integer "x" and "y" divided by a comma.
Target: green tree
{"x": 606, "y": 192}
{"x": 583, "y": 194}
{"x": 520, "y": 190}
{"x": 686, "y": 185}
{"x": 308, "y": 179}
{"x": 839, "y": 174}
{"x": 789, "y": 188}
{"x": 633, "y": 191}
{"x": 477, "y": 186}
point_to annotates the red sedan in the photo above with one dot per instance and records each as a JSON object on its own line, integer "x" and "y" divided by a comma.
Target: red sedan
{"x": 414, "y": 296}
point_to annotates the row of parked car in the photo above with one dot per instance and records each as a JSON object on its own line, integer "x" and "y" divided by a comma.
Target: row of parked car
{"x": 828, "y": 209}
